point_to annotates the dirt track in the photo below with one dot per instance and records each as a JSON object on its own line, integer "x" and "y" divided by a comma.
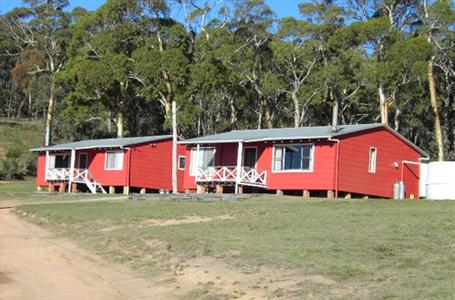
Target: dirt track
{"x": 33, "y": 265}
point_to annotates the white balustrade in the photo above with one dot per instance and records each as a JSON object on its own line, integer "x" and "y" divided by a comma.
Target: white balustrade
{"x": 248, "y": 176}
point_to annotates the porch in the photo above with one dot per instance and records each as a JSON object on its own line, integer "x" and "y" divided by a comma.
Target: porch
{"x": 83, "y": 176}
{"x": 226, "y": 165}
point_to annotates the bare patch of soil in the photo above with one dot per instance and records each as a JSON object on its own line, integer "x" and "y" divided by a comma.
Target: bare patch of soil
{"x": 34, "y": 265}
{"x": 185, "y": 220}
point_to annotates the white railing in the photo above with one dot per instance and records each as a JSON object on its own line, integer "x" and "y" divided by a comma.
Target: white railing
{"x": 60, "y": 174}
{"x": 79, "y": 176}
{"x": 248, "y": 176}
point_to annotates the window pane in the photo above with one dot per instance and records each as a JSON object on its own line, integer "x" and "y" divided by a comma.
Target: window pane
{"x": 277, "y": 163}
{"x": 306, "y": 157}
{"x": 51, "y": 162}
{"x": 293, "y": 158}
{"x": 205, "y": 159}
{"x": 61, "y": 161}
{"x": 208, "y": 158}
{"x": 372, "y": 161}
{"x": 181, "y": 162}
{"x": 114, "y": 160}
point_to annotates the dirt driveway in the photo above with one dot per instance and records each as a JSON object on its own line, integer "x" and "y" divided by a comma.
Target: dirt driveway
{"x": 33, "y": 265}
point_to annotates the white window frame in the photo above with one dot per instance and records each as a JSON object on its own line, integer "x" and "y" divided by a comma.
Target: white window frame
{"x": 193, "y": 150}
{"x": 179, "y": 167}
{"x": 121, "y": 162}
{"x": 372, "y": 167}
{"x": 311, "y": 168}
{"x": 256, "y": 155}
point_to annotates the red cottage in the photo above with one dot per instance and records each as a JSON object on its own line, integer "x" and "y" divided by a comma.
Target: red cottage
{"x": 119, "y": 163}
{"x": 363, "y": 160}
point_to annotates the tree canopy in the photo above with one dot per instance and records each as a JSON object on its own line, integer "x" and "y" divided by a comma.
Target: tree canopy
{"x": 231, "y": 64}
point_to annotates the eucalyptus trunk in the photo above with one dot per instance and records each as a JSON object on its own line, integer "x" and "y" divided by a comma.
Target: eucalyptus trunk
{"x": 50, "y": 113}
{"x": 120, "y": 120}
{"x": 295, "y": 100}
{"x": 434, "y": 106}
{"x": 384, "y": 107}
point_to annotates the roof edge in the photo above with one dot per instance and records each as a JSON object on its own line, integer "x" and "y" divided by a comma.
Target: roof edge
{"x": 40, "y": 149}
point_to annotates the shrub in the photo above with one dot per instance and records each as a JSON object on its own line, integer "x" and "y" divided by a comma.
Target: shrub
{"x": 18, "y": 163}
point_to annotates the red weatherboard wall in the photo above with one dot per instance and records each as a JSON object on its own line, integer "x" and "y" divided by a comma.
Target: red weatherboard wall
{"x": 322, "y": 177}
{"x": 96, "y": 161}
{"x": 151, "y": 166}
{"x": 353, "y": 164}
{"x": 41, "y": 170}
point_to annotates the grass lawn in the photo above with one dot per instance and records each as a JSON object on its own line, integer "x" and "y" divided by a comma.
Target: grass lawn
{"x": 18, "y": 186}
{"x": 376, "y": 249}
{"x": 23, "y": 191}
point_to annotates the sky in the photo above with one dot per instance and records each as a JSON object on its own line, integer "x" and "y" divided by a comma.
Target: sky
{"x": 283, "y": 8}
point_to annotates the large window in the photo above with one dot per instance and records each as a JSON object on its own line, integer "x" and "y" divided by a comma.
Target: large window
{"x": 372, "y": 160}
{"x": 114, "y": 160}
{"x": 293, "y": 158}
{"x": 58, "y": 161}
{"x": 204, "y": 160}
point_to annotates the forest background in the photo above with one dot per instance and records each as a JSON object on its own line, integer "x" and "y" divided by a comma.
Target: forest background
{"x": 229, "y": 64}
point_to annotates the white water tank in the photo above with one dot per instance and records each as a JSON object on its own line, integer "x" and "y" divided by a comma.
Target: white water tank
{"x": 441, "y": 180}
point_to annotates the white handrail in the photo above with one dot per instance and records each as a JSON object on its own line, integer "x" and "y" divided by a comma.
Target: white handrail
{"x": 248, "y": 176}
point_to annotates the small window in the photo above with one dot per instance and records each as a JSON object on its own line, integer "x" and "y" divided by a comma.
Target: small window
{"x": 372, "y": 160}
{"x": 181, "y": 165}
{"x": 114, "y": 160}
{"x": 204, "y": 160}
{"x": 293, "y": 158}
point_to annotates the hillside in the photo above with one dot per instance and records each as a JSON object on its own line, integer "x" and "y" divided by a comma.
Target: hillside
{"x": 28, "y": 133}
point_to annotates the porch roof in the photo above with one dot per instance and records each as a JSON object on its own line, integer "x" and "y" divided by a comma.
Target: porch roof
{"x": 104, "y": 143}
{"x": 274, "y": 134}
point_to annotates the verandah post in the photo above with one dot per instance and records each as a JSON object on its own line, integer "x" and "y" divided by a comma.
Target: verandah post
{"x": 239, "y": 166}
{"x": 72, "y": 162}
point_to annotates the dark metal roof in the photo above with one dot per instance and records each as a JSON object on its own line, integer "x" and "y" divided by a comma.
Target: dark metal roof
{"x": 280, "y": 134}
{"x": 316, "y": 132}
{"x": 104, "y": 143}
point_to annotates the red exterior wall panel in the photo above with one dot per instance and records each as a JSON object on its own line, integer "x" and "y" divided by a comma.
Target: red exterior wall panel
{"x": 151, "y": 165}
{"x": 354, "y": 158}
{"x": 96, "y": 162}
{"x": 41, "y": 170}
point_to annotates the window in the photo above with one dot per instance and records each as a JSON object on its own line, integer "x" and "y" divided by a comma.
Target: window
{"x": 205, "y": 159}
{"x": 114, "y": 160}
{"x": 293, "y": 158}
{"x": 58, "y": 161}
{"x": 372, "y": 160}
{"x": 181, "y": 165}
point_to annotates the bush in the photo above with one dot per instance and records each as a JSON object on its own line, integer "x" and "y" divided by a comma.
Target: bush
{"x": 18, "y": 163}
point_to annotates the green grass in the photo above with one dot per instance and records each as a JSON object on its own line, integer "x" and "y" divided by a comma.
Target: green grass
{"x": 19, "y": 186}
{"x": 23, "y": 191}
{"x": 390, "y": 249}
{"x": 29, "y": 134}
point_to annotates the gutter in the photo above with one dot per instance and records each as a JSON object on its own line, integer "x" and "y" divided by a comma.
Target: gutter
{"x": 254, "y": 140}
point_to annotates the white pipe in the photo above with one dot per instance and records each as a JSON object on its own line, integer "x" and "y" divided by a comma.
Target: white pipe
{"x": 174, "y": 148}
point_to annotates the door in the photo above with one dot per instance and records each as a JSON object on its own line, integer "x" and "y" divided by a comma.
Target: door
{"x": 249, "y": 157}
{"x": 83, "y": 161}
